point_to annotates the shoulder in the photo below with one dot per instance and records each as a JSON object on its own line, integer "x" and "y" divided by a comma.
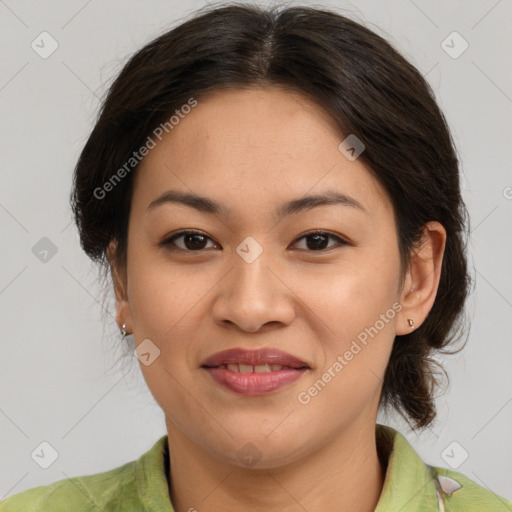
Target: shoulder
{"x": 137, "y": 485}
{"x": 459, "y": 493}
{"x": 101, "y": 491}
{"x": 411, "y": 484}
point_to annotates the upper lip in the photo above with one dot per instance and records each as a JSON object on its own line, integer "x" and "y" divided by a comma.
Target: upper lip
{"x": 254, "y": 357}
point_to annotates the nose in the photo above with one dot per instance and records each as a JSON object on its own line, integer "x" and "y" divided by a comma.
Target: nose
{"x": 254, "y": 297}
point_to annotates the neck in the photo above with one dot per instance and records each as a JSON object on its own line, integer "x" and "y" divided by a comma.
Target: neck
{"x": 343, "y": 474}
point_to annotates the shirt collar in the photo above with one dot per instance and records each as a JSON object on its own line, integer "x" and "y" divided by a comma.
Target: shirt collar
{"x": 151, "y": 477}
{"x": 410, "y": 485}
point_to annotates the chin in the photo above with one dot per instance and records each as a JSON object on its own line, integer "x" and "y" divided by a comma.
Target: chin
{"x": 259, "y": 452}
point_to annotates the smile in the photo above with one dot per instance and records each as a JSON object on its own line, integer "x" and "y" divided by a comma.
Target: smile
{"x": 254, "y": 372}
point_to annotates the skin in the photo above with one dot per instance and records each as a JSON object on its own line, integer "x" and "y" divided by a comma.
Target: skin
{"x": 252, "y": 150}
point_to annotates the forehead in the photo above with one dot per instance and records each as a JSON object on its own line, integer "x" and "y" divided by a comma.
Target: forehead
{"x": 268, "y": 121}
{"x": 260, "y": 142}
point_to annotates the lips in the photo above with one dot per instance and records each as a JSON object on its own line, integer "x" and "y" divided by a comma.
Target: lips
{"x": 253, "y": 361}
{"x": 254, "y": 372}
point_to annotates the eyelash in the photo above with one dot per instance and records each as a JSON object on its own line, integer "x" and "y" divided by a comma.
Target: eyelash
{"x": 168, "y": 242}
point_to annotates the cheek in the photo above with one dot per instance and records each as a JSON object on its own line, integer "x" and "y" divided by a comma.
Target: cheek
{"x": 359, "y": 309}
{"x": 163, "y": 295}
{"x": 165, "y": 307}
{"x": 357, "y": 303}
{"x": 351, "y": 295}
{"x": 170, "y": 305}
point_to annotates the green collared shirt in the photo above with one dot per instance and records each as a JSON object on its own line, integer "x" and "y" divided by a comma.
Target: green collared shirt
{"x": 142, "y": 486}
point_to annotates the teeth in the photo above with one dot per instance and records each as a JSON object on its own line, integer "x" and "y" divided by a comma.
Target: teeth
{"x": 248, "y": 368}
{"x": 262, "y": 368}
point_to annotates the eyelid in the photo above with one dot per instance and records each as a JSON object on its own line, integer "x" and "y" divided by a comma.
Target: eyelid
{"x": 341, "y": 241}
{"x": 167, "y": 241}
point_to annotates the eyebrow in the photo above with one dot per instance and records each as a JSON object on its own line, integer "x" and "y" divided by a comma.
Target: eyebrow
{"x": 207, "y": 205}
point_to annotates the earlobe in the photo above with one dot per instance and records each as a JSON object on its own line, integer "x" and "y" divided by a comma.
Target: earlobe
{"x": 422, "y": 278}
{"x": 119, "y": 282}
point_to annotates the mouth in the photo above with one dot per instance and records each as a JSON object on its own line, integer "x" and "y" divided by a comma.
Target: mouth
{"x": 253, "y": 361}
{"x": 259, "y": 368}
{"x": 254, "y": 372}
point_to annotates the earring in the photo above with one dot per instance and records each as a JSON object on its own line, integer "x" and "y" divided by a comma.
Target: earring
{"x": 411, "y": 323}
{"x": 123, "y": 330}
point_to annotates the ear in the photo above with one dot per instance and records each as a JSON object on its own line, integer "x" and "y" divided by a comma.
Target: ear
{"x": 123, "y": 313}
{"x": 422, "y": 279}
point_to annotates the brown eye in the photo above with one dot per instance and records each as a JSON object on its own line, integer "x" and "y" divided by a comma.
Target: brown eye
{"x": 318, "y": 240}
{"x": 191, "y": 241}
{"x": 195, "y": 241}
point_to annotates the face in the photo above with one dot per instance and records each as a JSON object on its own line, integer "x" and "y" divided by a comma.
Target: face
{"x": 316, "y": 281}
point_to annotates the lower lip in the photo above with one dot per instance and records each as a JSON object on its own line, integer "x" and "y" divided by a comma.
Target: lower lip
{"x": 255, "y": 384}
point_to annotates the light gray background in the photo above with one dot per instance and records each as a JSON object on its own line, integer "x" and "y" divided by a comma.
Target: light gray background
{"x": 56, "y": 342}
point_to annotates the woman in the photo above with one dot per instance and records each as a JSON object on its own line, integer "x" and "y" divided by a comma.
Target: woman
{"x": 275, "y": 194}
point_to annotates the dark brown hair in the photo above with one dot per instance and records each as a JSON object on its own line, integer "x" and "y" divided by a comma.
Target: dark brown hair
{"x": 365, "y": 85}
